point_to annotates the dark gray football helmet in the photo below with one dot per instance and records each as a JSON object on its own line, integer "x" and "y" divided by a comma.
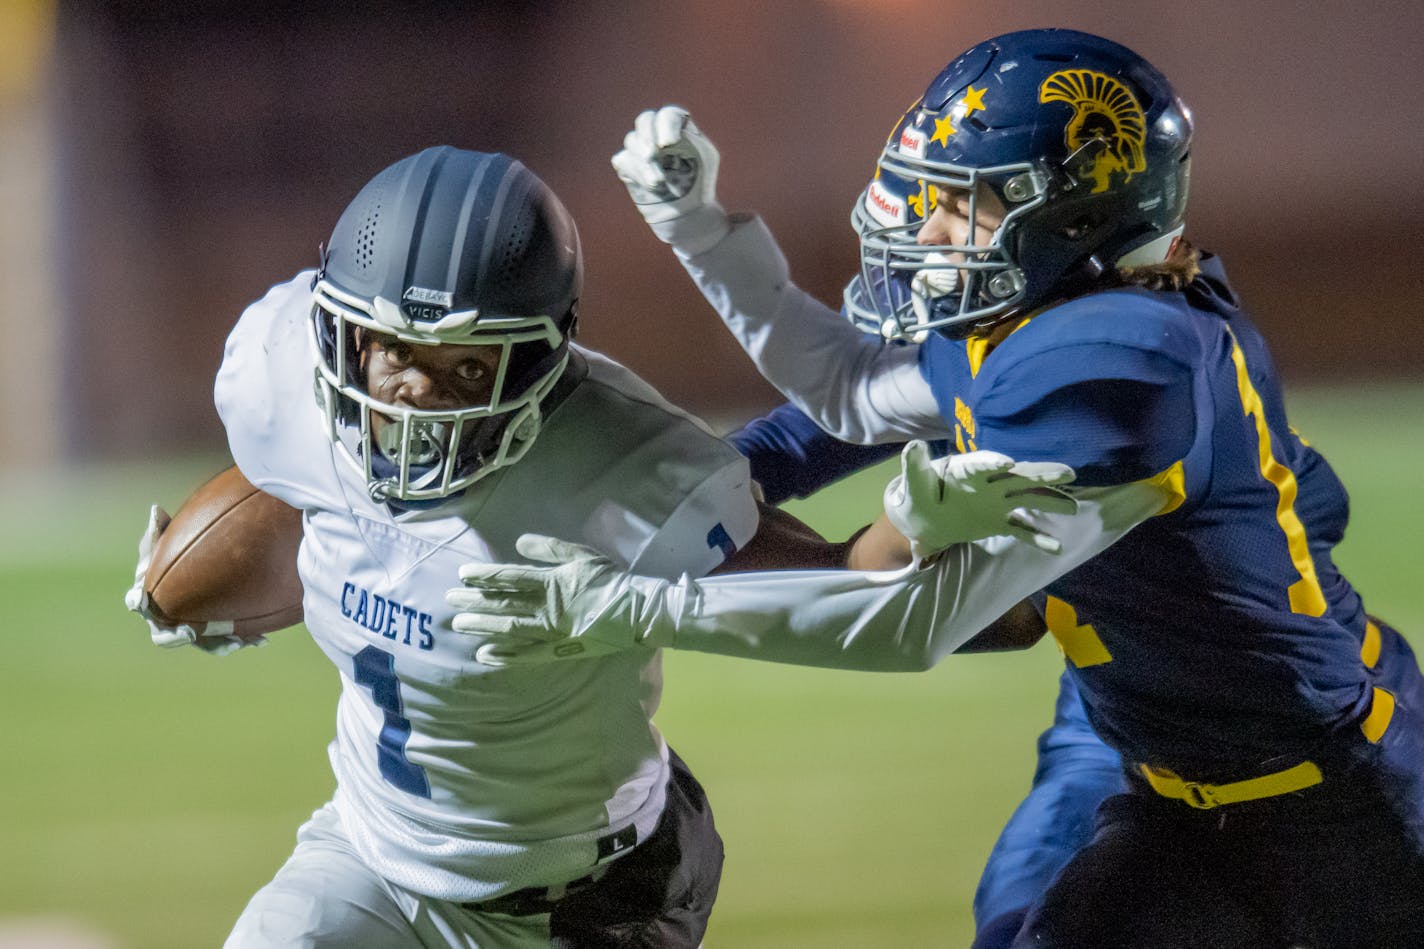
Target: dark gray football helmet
{"x": 446, "y": 247}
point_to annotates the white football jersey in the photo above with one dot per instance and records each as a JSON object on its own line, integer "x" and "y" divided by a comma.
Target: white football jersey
{"x": 454, "y": 779}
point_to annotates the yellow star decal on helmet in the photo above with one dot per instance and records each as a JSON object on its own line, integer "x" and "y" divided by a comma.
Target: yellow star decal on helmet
{"x": 973, "y": 100}
{"x": 943, "y": 130}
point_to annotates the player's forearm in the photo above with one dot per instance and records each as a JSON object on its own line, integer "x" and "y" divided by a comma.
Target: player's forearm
{"x": 885, "y": 622}
{"x": 843, "y": 619}
{"x": 878, "y": 546}
{"x": 784, "y": 543}
{"x": 1019, "y": 628}
{"x": 831, "y": 618}
{"x": 855, "y": 387}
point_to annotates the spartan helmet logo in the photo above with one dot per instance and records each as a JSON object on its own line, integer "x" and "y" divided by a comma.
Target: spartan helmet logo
{"x": 1106, "y": 111}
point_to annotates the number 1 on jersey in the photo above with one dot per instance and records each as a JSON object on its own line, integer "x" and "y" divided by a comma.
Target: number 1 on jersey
{"x": 375, "y": 669}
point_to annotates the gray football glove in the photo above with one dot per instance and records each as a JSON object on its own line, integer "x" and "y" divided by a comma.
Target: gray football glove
{"x": 578, "y": 607}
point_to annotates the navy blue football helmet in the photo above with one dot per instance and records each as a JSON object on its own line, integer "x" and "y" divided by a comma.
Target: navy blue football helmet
{"x": 1079, "y": 144}
{"x": 445, "y": 247}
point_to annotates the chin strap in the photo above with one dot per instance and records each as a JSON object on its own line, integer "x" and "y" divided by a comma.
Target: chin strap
{"x": 1155, "y": 251}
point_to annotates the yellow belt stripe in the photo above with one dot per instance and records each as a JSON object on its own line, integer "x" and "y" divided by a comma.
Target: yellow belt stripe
{"x": 1304, "y": 775}
{"x": 1306, "y": 597}
{"x": 1207, "y": 796}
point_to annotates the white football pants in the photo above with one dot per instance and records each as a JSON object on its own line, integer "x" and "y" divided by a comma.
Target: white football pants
{"x": 324, "y": 897}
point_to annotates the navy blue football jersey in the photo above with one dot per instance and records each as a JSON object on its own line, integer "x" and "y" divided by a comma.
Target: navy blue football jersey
{"x": 1217, "y": 638}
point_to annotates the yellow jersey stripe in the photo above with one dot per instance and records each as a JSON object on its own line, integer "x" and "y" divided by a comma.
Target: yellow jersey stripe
{"x": 1172, "y": 481}
{"x": 1370, "y": 649}
{"x": 1381, "y": 711}
{"x": 978, "y": 348}
{"x": 1305, "y": 594}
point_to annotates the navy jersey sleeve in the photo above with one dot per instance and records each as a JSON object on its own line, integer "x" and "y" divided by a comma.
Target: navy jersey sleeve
{"x": 791, "y": 457}
{"x": 1116, "y": 403}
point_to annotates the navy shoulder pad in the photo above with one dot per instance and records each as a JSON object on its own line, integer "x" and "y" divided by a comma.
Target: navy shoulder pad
{"x": 1103, "y": 383}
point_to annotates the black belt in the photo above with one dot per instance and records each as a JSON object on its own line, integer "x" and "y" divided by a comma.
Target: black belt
{"x": 533, "y": 900}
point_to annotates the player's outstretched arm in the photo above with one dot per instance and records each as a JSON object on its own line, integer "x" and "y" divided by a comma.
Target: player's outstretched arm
{"x": 670, "y": 170}
{"x": 871, "y": 394}
{"x": 582, "y": 605}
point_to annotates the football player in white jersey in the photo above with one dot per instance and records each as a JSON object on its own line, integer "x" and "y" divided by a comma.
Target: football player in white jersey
{"x": 478, "y": 805}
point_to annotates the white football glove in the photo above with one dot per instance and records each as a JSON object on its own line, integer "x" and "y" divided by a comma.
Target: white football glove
{"x": 965, "y": 497}
{"x": 670, "y": 169}
{"x": 215, "y": 637}
{"x": 579, "y": 607}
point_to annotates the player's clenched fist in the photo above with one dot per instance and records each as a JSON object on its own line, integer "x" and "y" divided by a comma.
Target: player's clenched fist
{"x": 670, "y": 170}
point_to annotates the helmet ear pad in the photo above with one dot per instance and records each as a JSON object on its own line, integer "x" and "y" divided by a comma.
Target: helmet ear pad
{"x": 1071, "y": 244}
{"x": 1068, "y": 246}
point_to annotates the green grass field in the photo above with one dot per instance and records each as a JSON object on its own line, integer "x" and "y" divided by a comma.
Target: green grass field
{"x": 147, "y": 793}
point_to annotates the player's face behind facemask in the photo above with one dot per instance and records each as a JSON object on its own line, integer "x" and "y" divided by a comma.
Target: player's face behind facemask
{"x": 435, "y": 378}
{"x": 424, "y": 419}
{"x": 933, "y": 254}
{"x": 441, "y": 320}
{"x": 959, "y": 234}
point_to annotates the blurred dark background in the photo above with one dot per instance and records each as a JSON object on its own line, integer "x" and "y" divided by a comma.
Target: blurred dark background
{"x": 166, "y": 163}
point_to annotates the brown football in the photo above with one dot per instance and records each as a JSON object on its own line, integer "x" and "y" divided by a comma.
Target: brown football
{"x": 230, "y": 553}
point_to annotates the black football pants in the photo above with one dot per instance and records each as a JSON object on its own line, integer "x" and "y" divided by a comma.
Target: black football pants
{"x": 1274, "y": 874}
{"x": 660, "y": 895}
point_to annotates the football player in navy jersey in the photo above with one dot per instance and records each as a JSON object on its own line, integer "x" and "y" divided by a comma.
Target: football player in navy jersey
{"x": 1027, "y": 289}
{"x": 792, "y": 457}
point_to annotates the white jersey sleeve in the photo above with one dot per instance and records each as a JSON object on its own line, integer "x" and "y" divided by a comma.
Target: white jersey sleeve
{"x": 266, "y": 379}
{"x": 902, "y": 621}
{"x": 857, "y": 387}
